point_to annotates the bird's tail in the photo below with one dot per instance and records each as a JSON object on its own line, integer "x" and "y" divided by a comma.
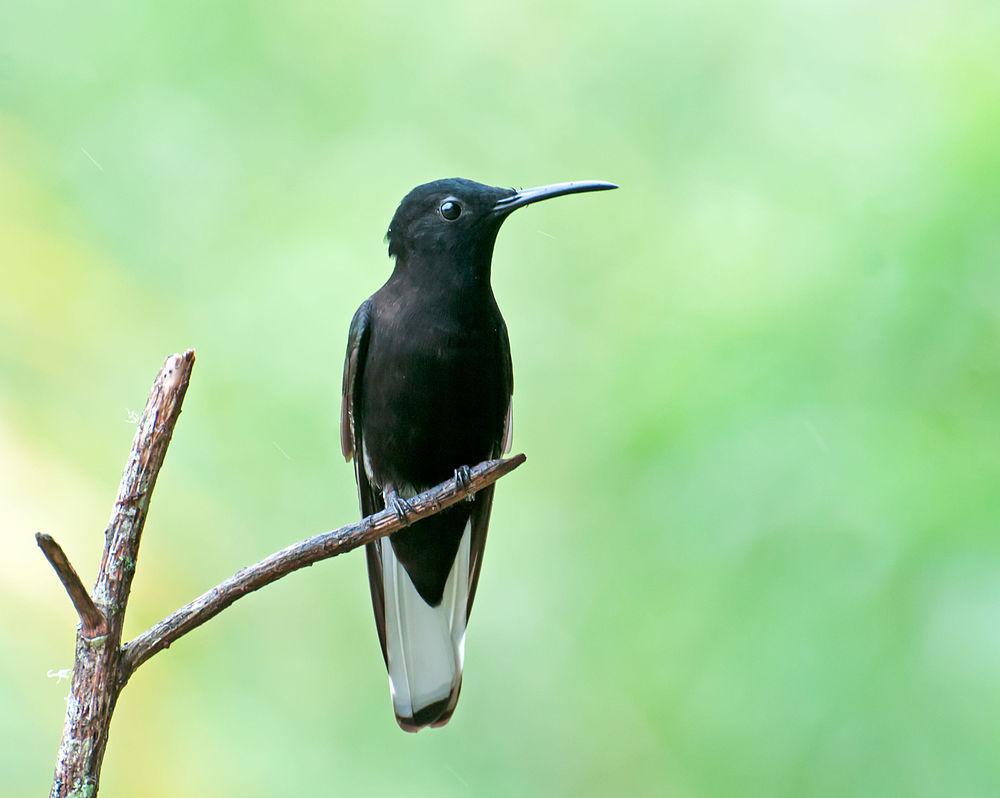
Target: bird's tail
{"x": 424, "y": 644}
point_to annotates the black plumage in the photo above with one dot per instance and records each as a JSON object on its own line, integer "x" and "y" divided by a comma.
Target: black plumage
{"x": 427, "y": 389}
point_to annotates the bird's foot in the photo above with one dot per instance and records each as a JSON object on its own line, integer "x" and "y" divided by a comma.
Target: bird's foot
{"x": 400, "y": 506}
{"x": 463, "y": 478}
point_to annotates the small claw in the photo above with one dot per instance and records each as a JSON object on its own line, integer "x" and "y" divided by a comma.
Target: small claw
{"x": 463, "y": 477}
{"x": 402, "y": 508}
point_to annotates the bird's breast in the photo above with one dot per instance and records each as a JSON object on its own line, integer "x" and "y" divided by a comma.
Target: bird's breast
{"x": 432, "y": 395}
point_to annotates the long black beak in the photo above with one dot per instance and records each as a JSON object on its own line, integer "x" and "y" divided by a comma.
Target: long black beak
{"x": 529, "y": 195}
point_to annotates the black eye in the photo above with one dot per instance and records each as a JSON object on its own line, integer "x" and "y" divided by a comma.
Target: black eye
{"x": 450, "y": 210}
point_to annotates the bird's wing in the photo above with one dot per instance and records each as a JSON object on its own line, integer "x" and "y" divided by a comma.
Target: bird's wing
{"x": 479, "y": 521}
{"x": 352, "y": 445}
{"x": 357, "y": 348}
{"x": 483, "y": 505}
{"x": 508, "y": 385}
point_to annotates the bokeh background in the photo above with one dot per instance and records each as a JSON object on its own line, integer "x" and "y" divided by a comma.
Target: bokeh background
{"x": 754, "y": 550}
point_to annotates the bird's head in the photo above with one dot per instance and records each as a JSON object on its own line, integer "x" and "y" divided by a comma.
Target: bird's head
{"x": 459, "y": 218}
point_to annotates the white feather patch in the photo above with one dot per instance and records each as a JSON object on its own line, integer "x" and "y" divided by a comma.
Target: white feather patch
{"x": 425, "y": 645}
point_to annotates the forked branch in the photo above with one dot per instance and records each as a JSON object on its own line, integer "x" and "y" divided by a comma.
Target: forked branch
{"x": 103, "y": 665}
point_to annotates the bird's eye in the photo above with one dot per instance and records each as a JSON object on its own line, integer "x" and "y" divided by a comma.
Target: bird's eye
{"x": 450, "y": 210}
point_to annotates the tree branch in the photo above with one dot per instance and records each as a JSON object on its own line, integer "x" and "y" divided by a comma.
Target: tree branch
{"x": 103, "y": 666}
{"x": 305, "y": 553}
{"x": 94, "y": 623}
{"x": 156, "y": 426}
{"x": 98, "y": 675}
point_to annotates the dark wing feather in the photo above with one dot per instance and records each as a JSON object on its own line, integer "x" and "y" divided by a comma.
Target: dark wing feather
{"x": 508, "y": 387}
{"x": 480, "y": 519}
{"x": 357, "y": 349}
{"x": 484, "y": 499}
{"x": 352, "y": 445}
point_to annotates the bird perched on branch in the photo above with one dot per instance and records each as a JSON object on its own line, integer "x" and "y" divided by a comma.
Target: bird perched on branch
{"x": 427, "y": 393}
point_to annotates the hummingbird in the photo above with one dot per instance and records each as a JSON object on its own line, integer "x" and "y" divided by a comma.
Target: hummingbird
{"x": 427, "y": 389}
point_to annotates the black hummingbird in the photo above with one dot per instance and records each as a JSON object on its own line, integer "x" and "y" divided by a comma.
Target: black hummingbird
{"x": 426, "y": 393}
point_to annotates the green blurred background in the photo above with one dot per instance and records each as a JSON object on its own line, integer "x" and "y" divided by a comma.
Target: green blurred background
{"x": 754, "y": 550}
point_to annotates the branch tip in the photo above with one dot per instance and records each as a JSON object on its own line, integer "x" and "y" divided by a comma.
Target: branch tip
{"x": 92, "y": 619}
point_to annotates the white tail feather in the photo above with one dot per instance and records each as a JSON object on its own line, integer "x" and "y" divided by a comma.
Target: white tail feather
{"x": 425, "y": 645}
